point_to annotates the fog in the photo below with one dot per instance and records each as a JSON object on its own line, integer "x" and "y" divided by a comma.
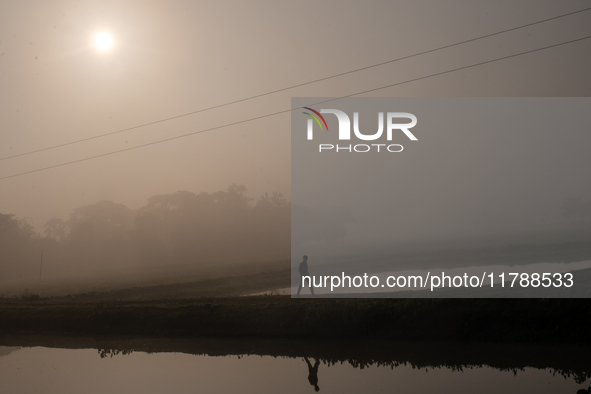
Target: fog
{"x": 180, "y": 229}
{"x": 489, "y": 183}
{"x": 169, "y": 203}
{"x": 480, "y": 166}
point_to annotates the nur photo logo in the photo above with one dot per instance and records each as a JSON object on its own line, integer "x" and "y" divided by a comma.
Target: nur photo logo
{"x": 393, "y": 125}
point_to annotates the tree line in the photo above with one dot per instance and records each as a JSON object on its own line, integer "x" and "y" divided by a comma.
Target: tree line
{"x": 171, "y": 229}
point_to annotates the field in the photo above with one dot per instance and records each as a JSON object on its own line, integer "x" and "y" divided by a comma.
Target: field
{"x": 218, "y": 301}
{"x": 172, "y": 282}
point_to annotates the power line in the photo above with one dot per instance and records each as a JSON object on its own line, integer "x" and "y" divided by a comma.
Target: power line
{"x": 292, "y": 86}
{"x": 294, "y": 109}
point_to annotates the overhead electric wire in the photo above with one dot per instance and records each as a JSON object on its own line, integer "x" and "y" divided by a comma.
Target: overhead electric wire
{"x": 294, "y": 109}
{"x": 290, "y": 87}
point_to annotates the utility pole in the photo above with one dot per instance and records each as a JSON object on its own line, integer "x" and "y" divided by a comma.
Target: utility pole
{"x": 41, "y": 268}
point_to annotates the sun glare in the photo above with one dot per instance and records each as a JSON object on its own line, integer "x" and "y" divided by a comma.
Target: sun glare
{"x": 103, "y": 41}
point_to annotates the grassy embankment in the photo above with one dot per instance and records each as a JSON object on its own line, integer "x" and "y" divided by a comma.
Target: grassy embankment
{"x": 513, "y": 320}
{"x": 205, "y": 308}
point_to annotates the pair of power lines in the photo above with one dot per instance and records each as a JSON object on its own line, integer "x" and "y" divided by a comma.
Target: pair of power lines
{"x": 289, "y": 88}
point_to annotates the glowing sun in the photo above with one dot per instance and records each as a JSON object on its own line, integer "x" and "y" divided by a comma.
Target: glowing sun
{"x": 103, "y": 41}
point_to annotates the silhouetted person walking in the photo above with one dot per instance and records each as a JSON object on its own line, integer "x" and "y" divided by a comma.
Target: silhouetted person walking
{"x": 313, "y": 373}
{"x": 303, "y": 270}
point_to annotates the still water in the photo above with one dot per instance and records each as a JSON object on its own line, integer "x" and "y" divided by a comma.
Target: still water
{"x": 56, "y": 370}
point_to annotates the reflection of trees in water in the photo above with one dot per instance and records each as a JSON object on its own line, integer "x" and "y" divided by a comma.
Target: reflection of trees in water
{"x": 6, "y": 350}
{"x": 570, "y": 368}
{"x": 113, "y": 352}
{"x": 579, "y": 376}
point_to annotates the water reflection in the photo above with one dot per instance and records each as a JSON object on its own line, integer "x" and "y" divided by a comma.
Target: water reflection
{"x": 113, "y": 352}
{"x": 6, "y": 350}
{"x": 71, "y": 365}
{"x": 313, "y": 373}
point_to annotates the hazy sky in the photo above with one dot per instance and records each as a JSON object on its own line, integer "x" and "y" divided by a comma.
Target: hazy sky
{"x": 479, "y": 166}
{"x": 175, "y": 57}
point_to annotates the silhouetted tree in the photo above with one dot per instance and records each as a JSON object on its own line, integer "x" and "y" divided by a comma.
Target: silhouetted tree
{"x": 16, "y": 239}
{"x": 177, "y": 228}
{"x": 99, "y": 234}
{"x": 184, "y": 227}
{"x": 56, "y": 229}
